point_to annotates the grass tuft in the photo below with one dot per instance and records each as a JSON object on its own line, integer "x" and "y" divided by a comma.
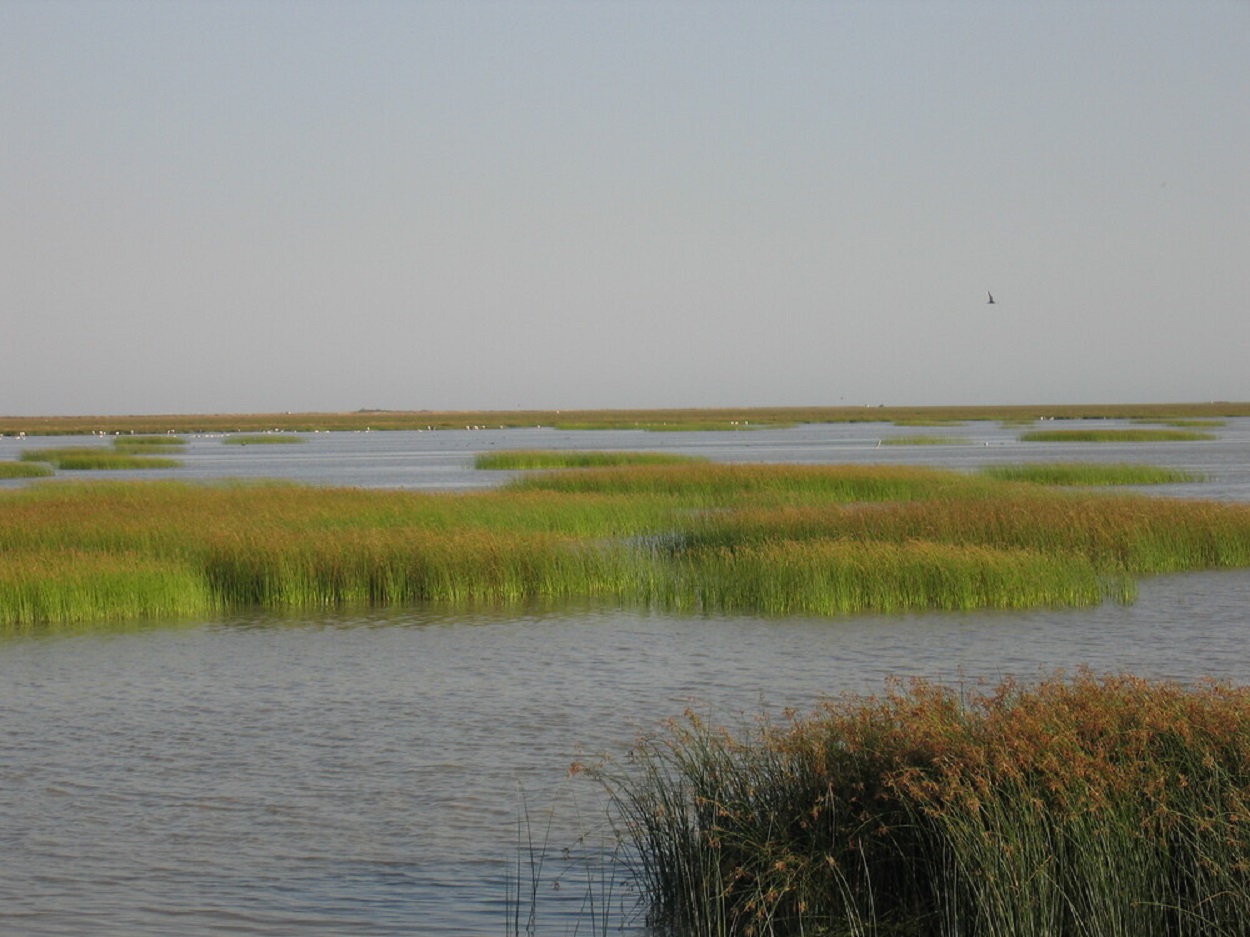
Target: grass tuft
{"x": 754, "y": 539}
{"x": 563, "y": 458}
{"x": 24, "y": 469}
{"x": 84, "y": 458}
{"x": 1114, "y": 435}
{"x": 1098, "y": 805}
{"x": 1089, "y": 473}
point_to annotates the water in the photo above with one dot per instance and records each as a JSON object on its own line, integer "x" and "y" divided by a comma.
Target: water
{"x": 366, "y": 775}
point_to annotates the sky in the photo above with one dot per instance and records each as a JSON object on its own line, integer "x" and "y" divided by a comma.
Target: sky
{"x": 299, "y": 205}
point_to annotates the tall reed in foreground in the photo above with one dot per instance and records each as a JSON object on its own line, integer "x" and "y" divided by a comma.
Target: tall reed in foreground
{"x": 1108, "y": 806}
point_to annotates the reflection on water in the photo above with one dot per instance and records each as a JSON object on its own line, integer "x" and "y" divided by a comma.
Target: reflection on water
{"x": 365, "y": 775}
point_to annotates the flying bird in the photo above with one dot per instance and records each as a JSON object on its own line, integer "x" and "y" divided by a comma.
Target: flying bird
{"x": 990, "y": 301}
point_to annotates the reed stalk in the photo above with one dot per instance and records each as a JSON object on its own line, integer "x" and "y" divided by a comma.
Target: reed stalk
{"x": 1100, "y": 805}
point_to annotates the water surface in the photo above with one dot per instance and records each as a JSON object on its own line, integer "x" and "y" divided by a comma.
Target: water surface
{"x": 338, "y": 774}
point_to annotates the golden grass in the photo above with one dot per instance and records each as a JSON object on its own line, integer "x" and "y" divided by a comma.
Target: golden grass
{"x": 1098, "y": 805}
{"x": 754, "y": 539}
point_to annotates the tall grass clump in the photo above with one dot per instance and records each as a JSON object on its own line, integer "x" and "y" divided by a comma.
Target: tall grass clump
{"x": 1114, "y": 435}
{"x": 753, "y": 539}
{"x": 85, "y": 458}
{"x": 24, "y": 469}
{"x": 569, "y": 459}
{"x": 1109, "y": 806}
{"x": 715, "y": 483}
{"x": 1089, "y": 473}
{"x": 141, "y": 445}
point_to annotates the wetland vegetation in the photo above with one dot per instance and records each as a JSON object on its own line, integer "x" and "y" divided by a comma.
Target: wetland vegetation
{"x": 1089, "y": 473}
{"x": 719, "y": 418}
{"x": 262, "y": 439}
{"x": 1114, "y": 435}
{"x": 1092, "y": 806}
{"x": 24, "y": 469}
{"x": 85, "y": 458}
{"x": 704, "y": 537}
{"x": 527, "y": 459}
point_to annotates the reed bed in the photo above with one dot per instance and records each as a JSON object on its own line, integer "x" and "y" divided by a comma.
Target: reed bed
{"x": 751, "y": 539}
{"x": 24, "y": 469}
{"x": 563, "y": 458}
{"x": 1089, "y": 473}
{"x": 85, "y": 458}
{"x": 166, "y": 441}
{"x": 1114, "y": 435}
{"x": 718, "y": 483}
{"x": 1107, "y": 806}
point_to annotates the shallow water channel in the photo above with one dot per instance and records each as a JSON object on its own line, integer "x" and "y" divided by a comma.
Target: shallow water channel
{"x": 354, "y": 775}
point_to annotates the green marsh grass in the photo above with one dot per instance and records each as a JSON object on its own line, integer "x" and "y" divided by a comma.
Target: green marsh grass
{"x": 1196, "y": 423}
{"x": 1102, "y": 806}
{"x": 24, "y": 469}
{"x": 564, "y": 458}
{"x": 1114, "y": 435}
{"x": 83, "y": 458}
{"x": 1089, "y": 473}
{"x": 752, "y": 539}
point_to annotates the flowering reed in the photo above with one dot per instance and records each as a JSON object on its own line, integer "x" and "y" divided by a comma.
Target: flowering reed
{"x": 1098, "y": 805}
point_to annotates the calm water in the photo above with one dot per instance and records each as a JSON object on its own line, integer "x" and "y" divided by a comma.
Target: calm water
{"x": 336, "y": 775}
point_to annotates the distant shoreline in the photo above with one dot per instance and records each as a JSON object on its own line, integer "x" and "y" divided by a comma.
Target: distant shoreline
{"x": 689, "y": 418}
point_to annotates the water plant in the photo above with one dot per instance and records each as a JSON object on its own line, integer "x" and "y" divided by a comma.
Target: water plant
{"x": 81, "y": 458}
{"x": 1099, "y": 805}
{"x": 1114, "y": 435}
{"x": 1089, "y": 473}
{"x": 24, "y": 469}
{"x": 565, "y": 458}
{"x": 754, "y": 539}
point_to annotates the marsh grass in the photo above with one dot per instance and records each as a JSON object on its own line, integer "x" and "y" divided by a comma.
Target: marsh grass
{"x": 751, "y": 539}
{"x": 1107, "y": 806}
{"x": 1210, "y": 424}
{"x": 719, "y": 418}
{"x": 24, "y": 469}
{"x": 262, "y": 439}
{"x": 1089, "y": 473}
{"x": 142, "y": 442}
{"x": 84, "y": 458}
{"x": 1114, "y": 435}
{"x": 564, "y": 458}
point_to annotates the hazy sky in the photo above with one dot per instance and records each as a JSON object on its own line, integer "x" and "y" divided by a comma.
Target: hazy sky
{"x": 256, "y": 206}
